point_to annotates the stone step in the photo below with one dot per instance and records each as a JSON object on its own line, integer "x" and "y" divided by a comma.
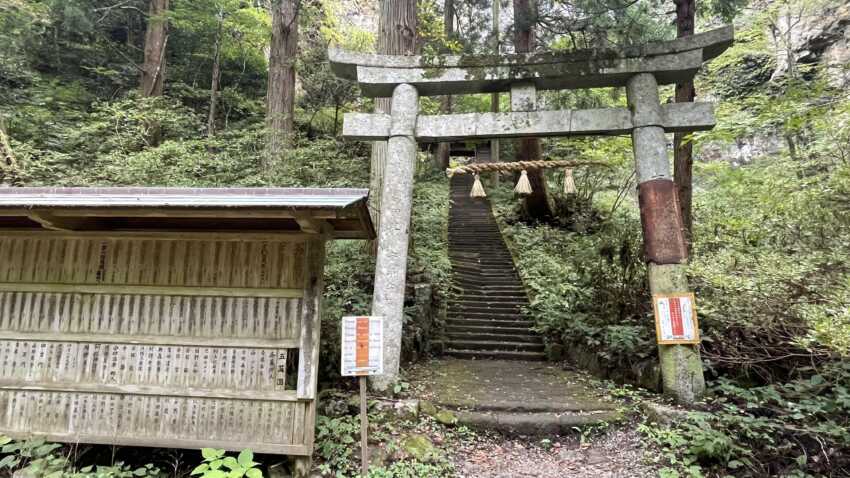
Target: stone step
{"x": 464, "y": 319}
{"x": 472, "y": 257}
{"x": 513, "y": 331}
{"x": 496, "y": 355}
{"x": 479, "y": 282}
{"x": 488, "y": 345}
{"x": 485, "y": 288}
{"x": 503, "y": 308}
{"x": 520, "y": 299}
{"x": 495, "y": 261}
{"x": 509, "y": 313}
{"x": 493, "y": 336}
{"x": 489, "y": 313}
{"x": 483, "y": 276}
{"x": 470, "y": 291}
{"x": 485, "y": 319}
{"x": 492, "y": 289}
{"x": 474, "y": 268}
{"x": 465, "y": 304}
{"x": 478, "y": 269}
{"x": 536, "y": 424}
{"x": 467, "y": 281}
{"x": 518, "y": 323}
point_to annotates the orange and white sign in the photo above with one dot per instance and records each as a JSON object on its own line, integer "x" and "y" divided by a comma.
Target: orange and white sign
{"x": 362, "y": 346}
{"x": 676, "y": 318}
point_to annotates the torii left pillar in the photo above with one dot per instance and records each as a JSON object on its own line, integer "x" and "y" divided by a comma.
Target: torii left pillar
{"x": 394, "y": 229}
{"x": 663, "y": 235}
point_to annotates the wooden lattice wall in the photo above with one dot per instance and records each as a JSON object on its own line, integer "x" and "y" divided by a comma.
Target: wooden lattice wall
{"x": 181, "y": 341}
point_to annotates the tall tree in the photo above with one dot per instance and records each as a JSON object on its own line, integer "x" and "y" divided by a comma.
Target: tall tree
{"x": 537, "y": 203}
{"x": 396, "y": 36}
{"x": 9, "y": 173}
{"x": 156, "y": 38}
{"x": 683, "y": 150}
{"x": 495, "y": 146}
{"x": 216, "y": 73}
{"x": 444, "y": 149}
{"x": 280, "y": 99}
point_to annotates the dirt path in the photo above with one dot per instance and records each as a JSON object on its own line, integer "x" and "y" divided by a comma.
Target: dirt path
{"x": 552, "y": 422}
{"x": 619, "y": 453}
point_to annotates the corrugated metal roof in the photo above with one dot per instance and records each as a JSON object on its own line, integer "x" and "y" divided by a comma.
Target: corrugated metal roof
{"x": 341, "y": 213}
{"x": 132, "y": 197}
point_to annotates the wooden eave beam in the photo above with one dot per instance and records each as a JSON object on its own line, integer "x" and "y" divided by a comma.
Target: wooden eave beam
{"x": 52, "y": 222}
{"x": 313, "y": 225}
{"x": 676, "y": 117}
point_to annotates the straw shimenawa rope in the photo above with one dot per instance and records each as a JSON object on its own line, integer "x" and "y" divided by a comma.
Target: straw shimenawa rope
{"x": 518, "y": 166}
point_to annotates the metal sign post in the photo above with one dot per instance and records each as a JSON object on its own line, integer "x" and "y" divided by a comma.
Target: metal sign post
{"x": 363, "y": 355}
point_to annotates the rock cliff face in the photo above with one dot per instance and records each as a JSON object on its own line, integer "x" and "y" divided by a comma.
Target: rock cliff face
{"x": 743, "y": 150}
{"x": 804, "y": 32}
{"x": 817, "y": 32}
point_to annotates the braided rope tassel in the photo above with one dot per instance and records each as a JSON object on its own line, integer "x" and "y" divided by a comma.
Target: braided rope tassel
{"x": 523, "y": 186}
{"x": 569, "y": 182}
{"x": 477, "y": 189}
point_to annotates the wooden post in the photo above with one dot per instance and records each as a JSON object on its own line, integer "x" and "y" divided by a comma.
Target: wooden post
{"x": 308, "y": 353}
{"x": 394, "y": 232}
{"x": 364, "y": 429}
{"x": 664, "y": 241}
{"x": 494, "y": 97}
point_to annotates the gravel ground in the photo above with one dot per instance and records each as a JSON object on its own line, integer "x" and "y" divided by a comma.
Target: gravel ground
{"x": 617, "y": 454}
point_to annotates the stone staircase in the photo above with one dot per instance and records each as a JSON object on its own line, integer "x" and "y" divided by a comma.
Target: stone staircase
{"x": 485, "y": 320}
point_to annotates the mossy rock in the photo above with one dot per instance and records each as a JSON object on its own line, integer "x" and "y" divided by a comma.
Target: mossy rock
{"x": 419, "y": 447}
{"x": 445, "y": 417}
{"x": 427, "y": 408}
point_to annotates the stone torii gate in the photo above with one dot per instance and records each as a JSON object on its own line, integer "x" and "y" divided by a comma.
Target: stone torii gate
{"x": 640, "y": 69}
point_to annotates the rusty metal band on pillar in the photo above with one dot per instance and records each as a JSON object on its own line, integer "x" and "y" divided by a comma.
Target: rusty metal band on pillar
{"x": 664, "y": 238}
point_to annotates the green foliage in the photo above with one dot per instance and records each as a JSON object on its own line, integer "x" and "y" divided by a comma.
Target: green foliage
{"x": 769, "y": 266}
{"x": 348, "y": 291}
{"x": 40, "y": 459}
{"x": 412, "y": 469}
{"x": 335, "y": 444}
{"x": 430, "y": 229}
{"x": 798, "y": 428}
{"x": 600, "y": 300}
{"x": 337, "y": 447}
{"x": 217, "y": 464}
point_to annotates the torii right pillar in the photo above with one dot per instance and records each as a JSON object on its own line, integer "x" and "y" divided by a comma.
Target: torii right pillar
{"x": 663, "y": 234}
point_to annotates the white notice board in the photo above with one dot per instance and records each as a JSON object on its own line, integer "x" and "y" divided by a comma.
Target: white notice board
{"x": 362, "y": 346}
{"x": 676, "y": 318}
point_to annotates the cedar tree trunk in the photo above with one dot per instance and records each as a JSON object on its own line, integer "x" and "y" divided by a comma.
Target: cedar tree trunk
{"x": 280, "y": 99}
{"x": 683, "y": 151}
{"x": 216, "y": 78}
{"x": 9, "y": 173}
{"x": 396, "y": 36}
{"x": 537, "y": 204}
{"x": 153, "y": 70}
{"x": 444, "y": 149}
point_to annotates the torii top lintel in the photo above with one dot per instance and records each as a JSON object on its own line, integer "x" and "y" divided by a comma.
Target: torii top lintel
{"x": 670, "y": 62}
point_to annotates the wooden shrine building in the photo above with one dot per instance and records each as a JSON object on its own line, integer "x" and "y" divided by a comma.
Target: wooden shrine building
{"x": 166, "y": 317}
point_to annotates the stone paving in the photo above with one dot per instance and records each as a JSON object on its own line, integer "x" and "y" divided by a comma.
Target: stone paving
{"x": 515, "y": 397}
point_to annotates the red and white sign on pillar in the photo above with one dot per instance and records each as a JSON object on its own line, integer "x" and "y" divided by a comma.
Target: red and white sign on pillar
{"x": 362, "y": 346}
{"x": 676, "y": 318}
